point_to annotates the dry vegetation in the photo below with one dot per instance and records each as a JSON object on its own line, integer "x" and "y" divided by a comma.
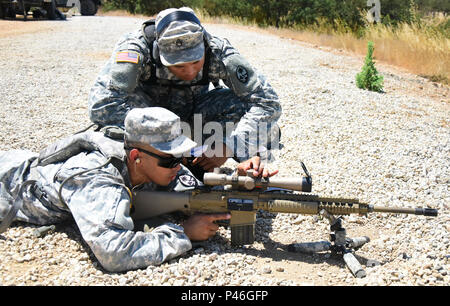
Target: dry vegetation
{"x": 421, "y": 50}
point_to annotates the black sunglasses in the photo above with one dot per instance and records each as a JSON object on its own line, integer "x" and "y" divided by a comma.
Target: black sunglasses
{"x": 165, "y": 162}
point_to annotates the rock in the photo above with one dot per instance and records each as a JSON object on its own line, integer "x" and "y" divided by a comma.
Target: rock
{"x": 267, "y": 270}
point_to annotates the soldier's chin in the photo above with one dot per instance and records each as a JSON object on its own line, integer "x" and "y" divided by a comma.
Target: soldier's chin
{"x": 164, "y": 181}
{"x": 170, "y": 179}
{"x": 188, "y": 78}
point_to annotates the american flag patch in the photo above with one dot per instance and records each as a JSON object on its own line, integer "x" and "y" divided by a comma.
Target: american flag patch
{"x": 127, "y": 56}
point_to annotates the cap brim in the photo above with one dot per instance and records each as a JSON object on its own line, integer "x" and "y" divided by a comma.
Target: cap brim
{"x": 182, "y": 56}
{"x": 176, "y": 147}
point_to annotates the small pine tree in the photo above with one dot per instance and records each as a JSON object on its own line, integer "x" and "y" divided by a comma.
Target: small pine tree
{"x": 369, "y": 78}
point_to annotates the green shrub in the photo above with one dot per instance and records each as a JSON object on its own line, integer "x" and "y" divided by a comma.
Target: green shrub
{"x": 369, "y": 78}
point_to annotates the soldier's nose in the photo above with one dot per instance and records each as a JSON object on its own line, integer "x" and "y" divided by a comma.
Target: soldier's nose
{"x": 191, "y": 73}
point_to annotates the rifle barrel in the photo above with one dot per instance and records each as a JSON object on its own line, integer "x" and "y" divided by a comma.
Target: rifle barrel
{"x": 400, "y": 210}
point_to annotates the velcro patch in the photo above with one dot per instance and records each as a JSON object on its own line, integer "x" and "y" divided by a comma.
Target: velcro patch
{"x": 127, "y": 57}
{"x": 188, "y": 180}
{"x": 241, "y": 74}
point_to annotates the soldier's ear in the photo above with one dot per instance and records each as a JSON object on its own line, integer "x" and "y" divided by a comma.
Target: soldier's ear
{"x": 134, "y": 154}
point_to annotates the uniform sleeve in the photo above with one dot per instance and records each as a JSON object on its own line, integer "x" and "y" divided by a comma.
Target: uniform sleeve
{"x": 113, "y": 93}
{"x": 101, "y": 208}
{"x": 257, "y": 128}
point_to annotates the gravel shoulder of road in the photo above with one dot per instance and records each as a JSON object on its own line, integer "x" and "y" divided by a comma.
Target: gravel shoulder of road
{"x": 390, "y": 149}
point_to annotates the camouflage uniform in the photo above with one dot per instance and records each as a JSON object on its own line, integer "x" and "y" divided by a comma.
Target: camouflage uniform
{"x": 248, "y": 101}
{"x": 99, "y": 200}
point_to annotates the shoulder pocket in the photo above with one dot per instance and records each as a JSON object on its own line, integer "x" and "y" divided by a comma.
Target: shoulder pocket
{"x": 119, "y": 214}
{"x": 126, "y": 69}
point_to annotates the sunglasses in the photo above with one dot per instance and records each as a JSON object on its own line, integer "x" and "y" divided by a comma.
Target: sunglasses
{"x": 165, "y": 162}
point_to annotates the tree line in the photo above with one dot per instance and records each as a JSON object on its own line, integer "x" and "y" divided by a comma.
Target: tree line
{"x": 347, "y": 15}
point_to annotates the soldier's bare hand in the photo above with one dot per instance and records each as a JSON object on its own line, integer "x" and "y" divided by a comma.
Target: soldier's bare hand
{"x": 209, "y": 163}
{"x": 202, "y": 227}
{"x": 213, "y": 159}
{"x": 258, "y": 167}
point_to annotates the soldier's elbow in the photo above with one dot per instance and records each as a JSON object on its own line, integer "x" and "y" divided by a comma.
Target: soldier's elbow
{"x": 112, "y": 261}
{"x": 273, "y": 109}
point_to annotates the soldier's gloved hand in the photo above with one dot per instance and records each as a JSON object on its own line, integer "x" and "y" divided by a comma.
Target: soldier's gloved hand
{"x": 260, "y": 168}
{"x": 200, "y": 227}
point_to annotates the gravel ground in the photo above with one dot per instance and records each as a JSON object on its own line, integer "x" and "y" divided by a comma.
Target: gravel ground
{"x": 389, "y": 149}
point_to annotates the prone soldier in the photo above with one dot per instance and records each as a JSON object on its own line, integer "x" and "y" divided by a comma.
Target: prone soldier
{"x": 93, "y": 179}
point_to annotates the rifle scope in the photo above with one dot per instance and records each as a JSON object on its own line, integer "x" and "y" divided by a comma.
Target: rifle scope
{"x": 299, "y": 184}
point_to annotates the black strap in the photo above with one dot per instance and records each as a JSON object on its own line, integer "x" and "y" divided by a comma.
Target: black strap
{"x": 148, "y": 29}
{"x": 61, "y": 199}
{"x": 205, "y": 76}
{"x": 15, "y": 207}
{"x": 175, "y": 16}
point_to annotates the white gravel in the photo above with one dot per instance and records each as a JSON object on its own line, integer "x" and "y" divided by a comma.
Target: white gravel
{"x": 388, "y": 149}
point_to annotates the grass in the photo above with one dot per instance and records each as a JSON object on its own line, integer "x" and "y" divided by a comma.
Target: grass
{"x": 421, "y": 48}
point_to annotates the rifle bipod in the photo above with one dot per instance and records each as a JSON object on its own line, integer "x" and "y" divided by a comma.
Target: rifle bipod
{"x": 339, "y": 244}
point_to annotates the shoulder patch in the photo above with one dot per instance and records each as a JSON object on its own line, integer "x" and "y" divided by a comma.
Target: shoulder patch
{"x": 188, "y": 180}
{"x": 127, "y": 57}
{"x": 241, "y": 74}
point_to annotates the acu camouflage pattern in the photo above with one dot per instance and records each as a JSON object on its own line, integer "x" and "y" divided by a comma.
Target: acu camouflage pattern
{"x": 179, "y": 36}
{"x": 177, "y": 49}
{"x": 99, "y": 201}
{"x": 157, "y": 127}
{"x": 180, "y": 42}
{"x": 82, "y": 142}
{"x": 248, "y": 101}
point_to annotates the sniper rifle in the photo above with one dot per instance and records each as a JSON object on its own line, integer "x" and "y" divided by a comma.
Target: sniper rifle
{"x": 243, "y": 196}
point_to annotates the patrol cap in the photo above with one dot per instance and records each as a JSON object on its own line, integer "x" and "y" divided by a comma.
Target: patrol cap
{"x": 181, "y": 41}
{"x": 157, "y": 127}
